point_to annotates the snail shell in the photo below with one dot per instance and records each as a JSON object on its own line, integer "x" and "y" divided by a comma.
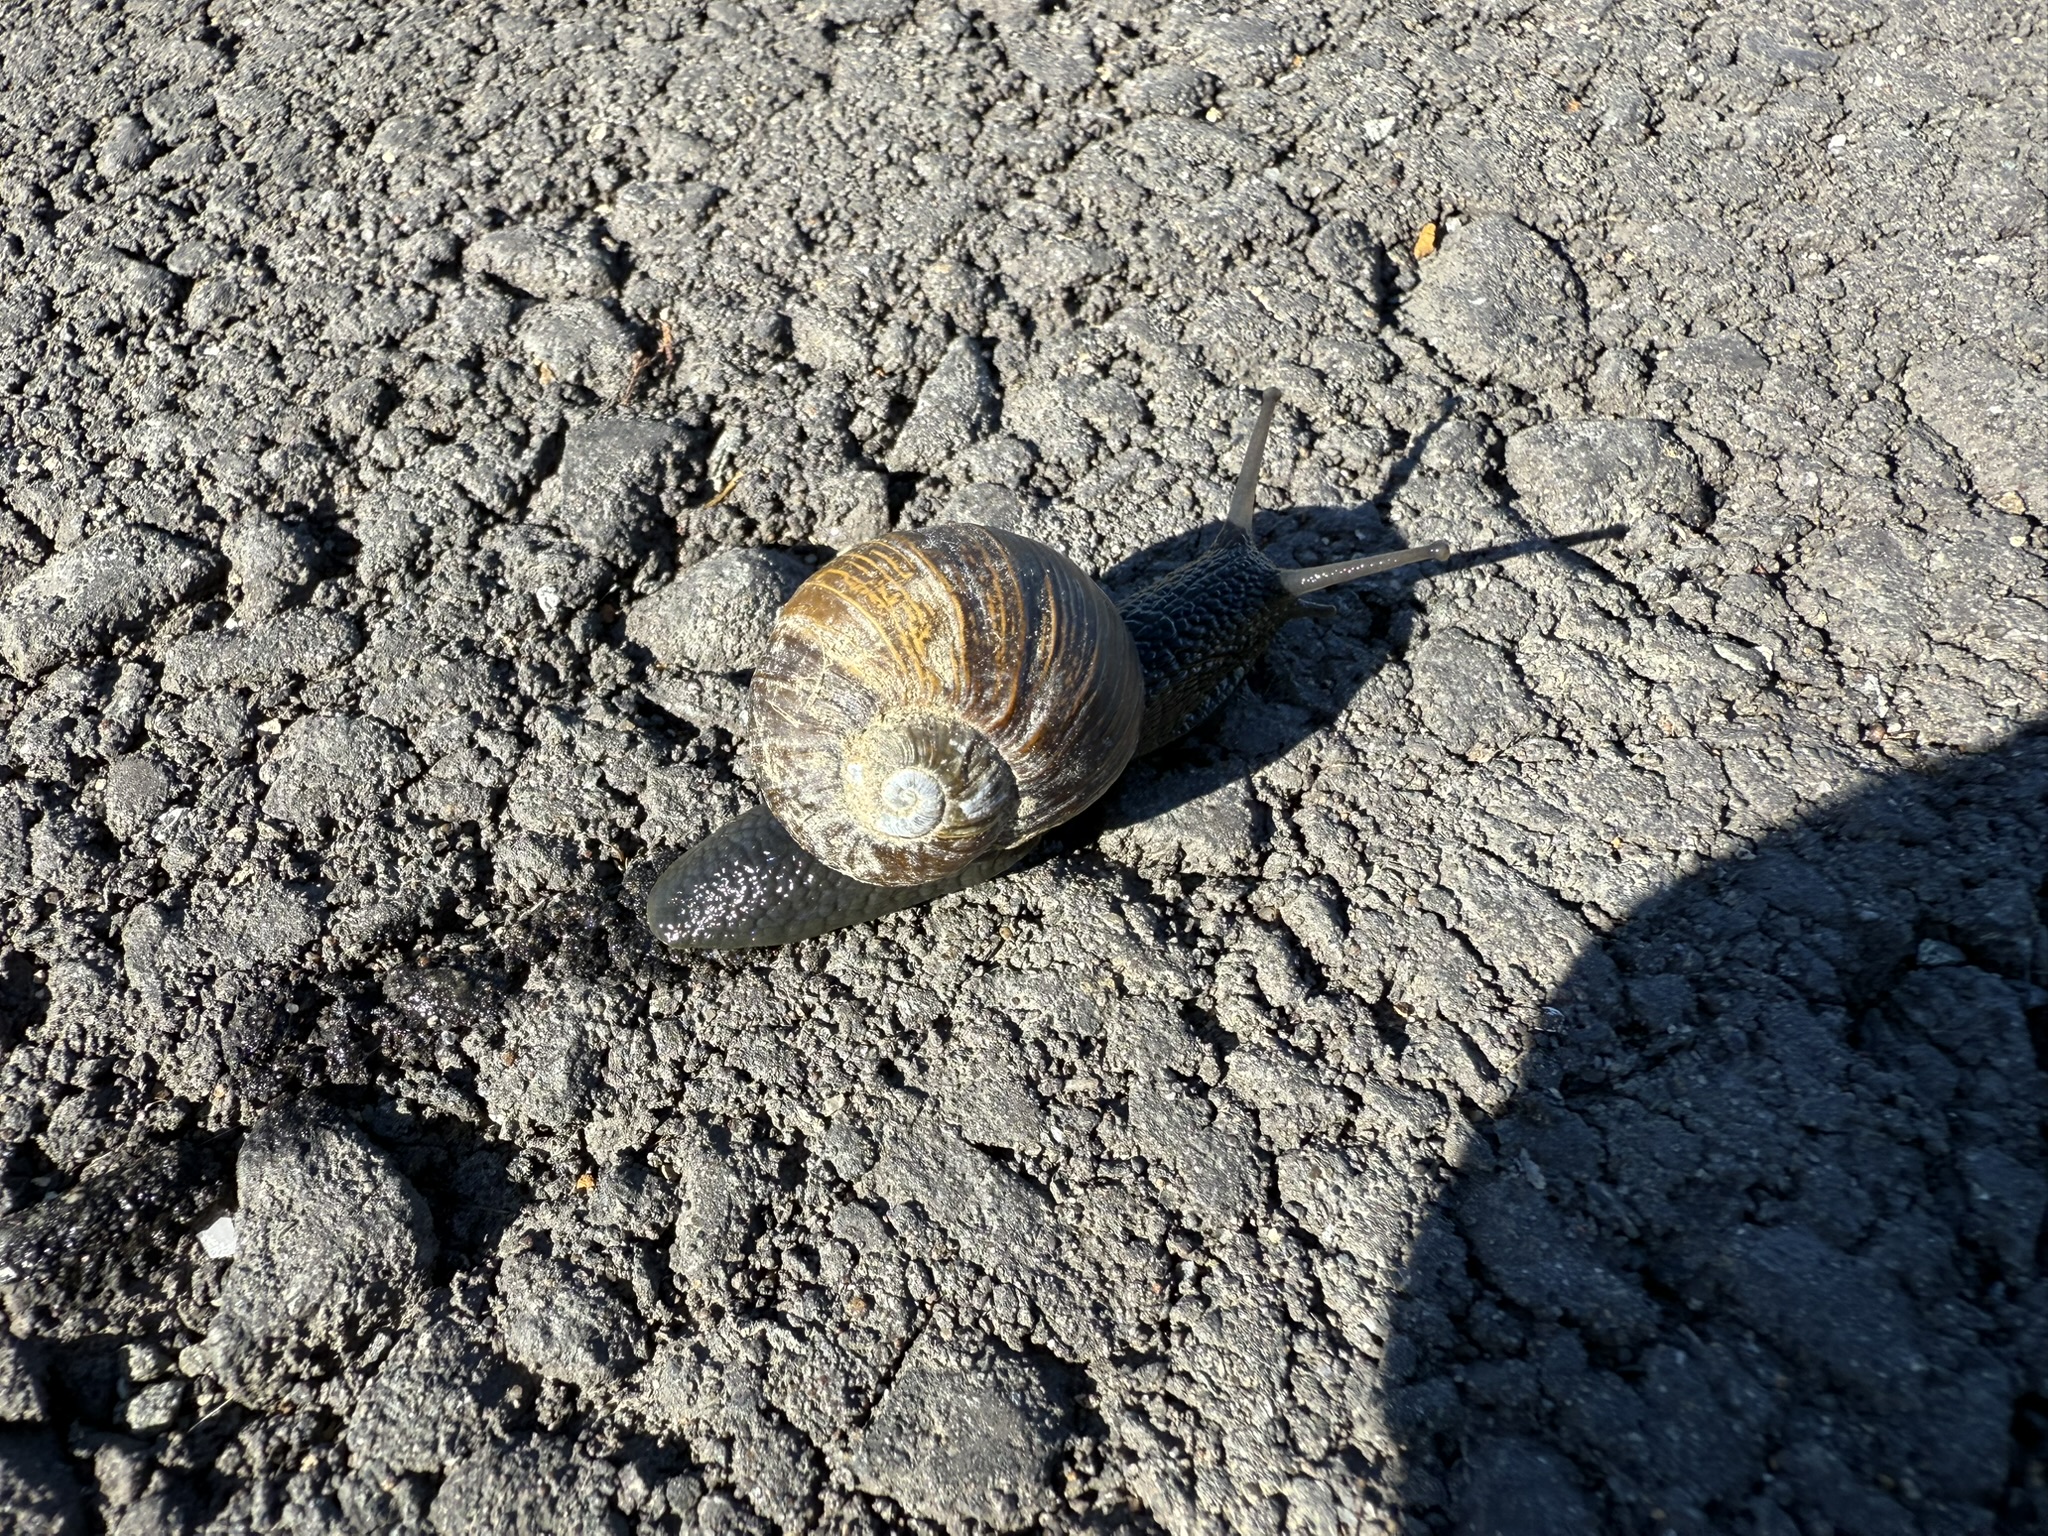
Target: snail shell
{"x": 930, "y": 698}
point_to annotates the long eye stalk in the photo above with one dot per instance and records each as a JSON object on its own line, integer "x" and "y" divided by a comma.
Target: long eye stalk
{"x": 1316, "y": 577}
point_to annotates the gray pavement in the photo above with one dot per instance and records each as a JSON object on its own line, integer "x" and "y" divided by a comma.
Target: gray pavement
{"x": 1562, "y": 1051}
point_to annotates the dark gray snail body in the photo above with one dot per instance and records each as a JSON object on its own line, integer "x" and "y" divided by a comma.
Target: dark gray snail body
{"x": 885, "y": 642}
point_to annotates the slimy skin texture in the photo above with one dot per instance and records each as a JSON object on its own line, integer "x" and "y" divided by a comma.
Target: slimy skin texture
{"x": 1200, "y": 629}
{"x": 748, "y": 885}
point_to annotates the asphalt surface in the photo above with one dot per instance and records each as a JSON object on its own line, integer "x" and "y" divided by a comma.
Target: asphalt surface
{"x": 1561, "y": 1051}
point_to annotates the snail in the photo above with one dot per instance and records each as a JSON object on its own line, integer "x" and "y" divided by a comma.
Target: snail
{"x": 932, "y": 702}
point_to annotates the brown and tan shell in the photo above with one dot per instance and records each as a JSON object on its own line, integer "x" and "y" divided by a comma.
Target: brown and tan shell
{"x": 930, "y": 697}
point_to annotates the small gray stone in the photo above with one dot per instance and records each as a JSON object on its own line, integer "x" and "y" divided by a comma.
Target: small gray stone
{"x": 83, "y": 598}
{"x": 989, "y": 506}
{"x": 138, "y": 789}
{"x": 826, "y": 342}
{"x": 220, "y": 719}
{"x": 535, "y": 1487}
{"x": 155, "y": 1408}
{"x": 545, "y": 265}
{"x": 1470, "y": 695}
{"x": 1576, "y": 475}
{"x": 1240, "y": 50}
{"x": 1991, "y": 412}
{"x": 132, "y": 289}
{"x": 1537, "y": 1258}
{"x": 1157, "y": 822}
{"x": 607, "y": 493}
{"x": 561, "y": 1323}
{"x": 271, "y": 562}
{"x": 702, "y": 698}
{"x": 1518, "y": 1488}
{"x": 1177, "y": 89}
{"x": 852, "y": 507}
{"x": 716, "y": 615}
{"x": 957, "y": 406}
{"x": 984, "y": 1088}
{"x": 266, "y": 922}
{"x": 303, "y": 643}
{"x": 360, "y": 407}
{"x": 333, "y": 1241}
{"x": 1344, "y": 251}
{"x": 22, "y": 1399}
{"x": 125, "y": 145}
{"x": 579, "y": 341}
{"x": 551, "y": 1071}
{"x": 659, "y": 217}
{"x": 1499, "y": 302}
{"x": 332, "y": 766}
{"x": 437, "y": 1398}
{"x": 712, "y": 1208}
{"x": 965, "y": 1432}
{"x": 1838, "y": 1314}
{"x": 65, "y": 852}
{"x": 2007, "y": 1201}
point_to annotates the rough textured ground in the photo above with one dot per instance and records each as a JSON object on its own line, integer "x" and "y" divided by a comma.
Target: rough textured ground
{"x": 1561, "y": 1052}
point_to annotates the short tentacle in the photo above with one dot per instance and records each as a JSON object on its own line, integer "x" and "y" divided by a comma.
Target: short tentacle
{"x": 1247, "y": 491}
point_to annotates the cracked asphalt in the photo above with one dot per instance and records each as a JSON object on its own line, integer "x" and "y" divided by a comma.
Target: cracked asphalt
{"x": 1560, "y": 1051}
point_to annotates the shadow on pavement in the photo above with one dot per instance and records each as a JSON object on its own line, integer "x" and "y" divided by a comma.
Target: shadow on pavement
{"x": 1754, "y": 1245}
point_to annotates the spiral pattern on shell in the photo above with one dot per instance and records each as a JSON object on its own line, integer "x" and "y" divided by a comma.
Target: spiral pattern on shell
{"x": 930, "y": 697}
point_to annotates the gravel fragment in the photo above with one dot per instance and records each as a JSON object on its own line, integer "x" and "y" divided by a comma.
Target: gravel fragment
{"x": 1830, "y": 1310}
{"x": 301, "y": 644}
{"x": 1498, "y": 301}
{"x": 716, "y": 615}
{"x": 579, "y": 341}
{"x": 437, "y": 1398}
{"x": 23, "y": 1399}
{"x": 564, "y": 1325}
{"x": 1577, "y": 475}
{"x": 138, "y": 789}
{"x": 1157, "y": 824}
{"x": 83, "y": 598}
{"x": 1470, "y": 694}
{"x": 218, "y": 1239}
{"x": 1516, "y": 1488}
{"x": 957, "y": 407}
{"x": 544, "y": 265}
{"x": 964, "y": 1433}
{"x": 270, "y": 561}
{"x": 37, "y": 1487}
{"x": 608, "y": 491}
{"x": 1991, "y": 412}
{"x": 532, "y": 1487}
{"x": 332, "y": 1242}
{"x": 327, "y": 767}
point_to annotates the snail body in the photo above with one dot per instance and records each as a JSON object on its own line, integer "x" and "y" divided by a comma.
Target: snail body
{"x": 933, "y": 702}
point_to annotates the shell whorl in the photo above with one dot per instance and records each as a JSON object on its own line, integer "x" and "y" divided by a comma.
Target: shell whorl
{"x": 929, "y": 698}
